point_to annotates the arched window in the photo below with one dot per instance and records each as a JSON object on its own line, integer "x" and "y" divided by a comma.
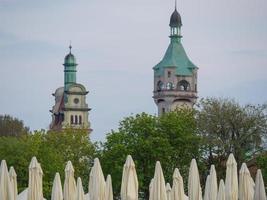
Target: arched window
{"x": 76, "y": 119}
{"x": 160, "y": 86}
{"x": 80, "y": 119}
{"x": 183, "y": 85}
{"x": 169, "y": 74}
{"x": 169, "y": 86}
{"x": 71, "y": 119}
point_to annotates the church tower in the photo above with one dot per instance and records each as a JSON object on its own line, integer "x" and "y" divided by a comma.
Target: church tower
{"x": 175, "y": 76}
{"x": 70, "y": 109}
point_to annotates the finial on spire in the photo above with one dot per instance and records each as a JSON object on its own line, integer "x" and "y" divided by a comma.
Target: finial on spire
{"x": 175, "y": 4}
{"x": 70, "y": 47}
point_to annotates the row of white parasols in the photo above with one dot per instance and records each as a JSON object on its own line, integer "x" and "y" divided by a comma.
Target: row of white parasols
{"x": 101, "y": 189}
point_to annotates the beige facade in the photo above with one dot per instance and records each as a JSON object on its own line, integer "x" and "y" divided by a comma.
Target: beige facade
{"x": 70, "y": 109}
{"x": 76, "y": 108}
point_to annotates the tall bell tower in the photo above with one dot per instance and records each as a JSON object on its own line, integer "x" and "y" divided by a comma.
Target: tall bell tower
{"x": 175, "y": 76}
{"x": 70, "y": 109}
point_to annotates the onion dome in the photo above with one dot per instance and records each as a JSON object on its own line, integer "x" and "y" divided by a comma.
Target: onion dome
{"x": 70, "y": 59}
{"x": 175, "y": 20}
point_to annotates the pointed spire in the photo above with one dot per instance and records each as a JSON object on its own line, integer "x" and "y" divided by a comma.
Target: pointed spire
{"x": 70, "y": 47}
{"x": 175, "y": 21}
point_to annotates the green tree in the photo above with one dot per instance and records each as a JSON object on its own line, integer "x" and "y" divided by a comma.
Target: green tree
{"x": 227, "y": 127}
{"x": 53, "y": 150}
{"x": 10, "y": 126}
{"x": 18, "y": 153}
{"x": 73, "y": 145}
{"x": 170, "y": 139}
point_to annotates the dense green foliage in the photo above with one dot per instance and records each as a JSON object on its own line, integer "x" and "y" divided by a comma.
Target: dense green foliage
{"x": 53, "y": 150}
{"x": 217, "y": 128}
{"x": 227, "y": 127}
{"x": 10, "y": 126}
{"x": 210, "y": 133}
{"x": 170, "y": 139}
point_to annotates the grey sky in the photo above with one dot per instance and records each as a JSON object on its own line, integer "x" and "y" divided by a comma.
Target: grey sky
{"x": 116, "y": 43}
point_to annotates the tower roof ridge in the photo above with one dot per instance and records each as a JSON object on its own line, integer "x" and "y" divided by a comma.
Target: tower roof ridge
{"x": 176, "y": 56}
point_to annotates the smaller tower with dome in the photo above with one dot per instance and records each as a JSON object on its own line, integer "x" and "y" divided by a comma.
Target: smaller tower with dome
{"x": 70, "y": 109}
{"x": 175, "y": 76}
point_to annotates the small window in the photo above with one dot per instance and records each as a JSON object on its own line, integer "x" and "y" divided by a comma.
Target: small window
{"x": 163, "y": 110}
{"x": 80, "y": 119}
{"x": 76, "y": 119}
{"x": 71, "y": 119}
{"x": 160, "y": 86}
{"x": 183, "y": 85}
{"x": 169, "y": 74}
{"x": 169, "y": 86}
{"x": 195, "y": 87}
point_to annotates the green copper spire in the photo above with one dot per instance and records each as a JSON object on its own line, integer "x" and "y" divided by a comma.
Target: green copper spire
{"x": 69, "y": 69}
{"x": 175, "y": 56}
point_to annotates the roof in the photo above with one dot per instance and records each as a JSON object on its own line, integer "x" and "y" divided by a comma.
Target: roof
{"x": 61, "y": 98}
{"x": 175, "y": 20}
{"x": 70, "y": 60}
{"x": 175, "y": 56}
{"x": 59, "y": 94}
{"x": 69, "y": 87}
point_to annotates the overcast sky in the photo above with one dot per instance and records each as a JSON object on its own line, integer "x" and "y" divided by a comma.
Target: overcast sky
{"x": 116, "y": 43}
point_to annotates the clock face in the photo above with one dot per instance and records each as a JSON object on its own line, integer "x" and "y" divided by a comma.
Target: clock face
{"x": 76, "y": 100}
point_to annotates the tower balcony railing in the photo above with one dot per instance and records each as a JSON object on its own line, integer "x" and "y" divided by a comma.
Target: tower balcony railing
{"x": 175, "y": 93}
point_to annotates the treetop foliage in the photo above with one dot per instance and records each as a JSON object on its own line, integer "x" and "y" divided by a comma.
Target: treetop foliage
{"x": 53, "y": 150}
{"x": 10, "y": 126}
{"x": 170, "y": 139}
{"x": 227, "y": 127}
{"x": 209, "y": 133}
